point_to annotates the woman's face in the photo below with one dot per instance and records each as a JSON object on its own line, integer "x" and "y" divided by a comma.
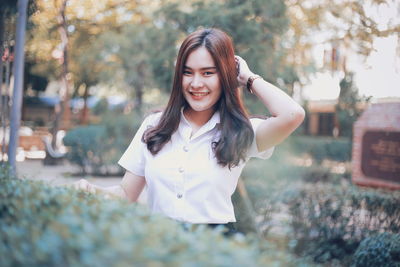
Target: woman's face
{"x": 200, "y": 82}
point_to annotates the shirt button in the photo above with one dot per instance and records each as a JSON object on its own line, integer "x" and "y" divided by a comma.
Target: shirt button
{"x": 185, "y": 148}
{"x": 179, "y": 195}
{"x": 181, "y": 170}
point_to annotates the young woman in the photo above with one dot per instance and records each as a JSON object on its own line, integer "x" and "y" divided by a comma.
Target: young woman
{"x": 190, "y": 156}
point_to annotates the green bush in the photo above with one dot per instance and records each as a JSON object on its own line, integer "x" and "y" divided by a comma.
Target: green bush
{"x": 86, "y": 146}
{"x": 320, "y": 174}
{"x": 57, "y": 226}
{"x": 320, "y": 148}
{"x": 381, "y": 250}
{"x": 97, "y": 148}
{"x": 329, "y": 221}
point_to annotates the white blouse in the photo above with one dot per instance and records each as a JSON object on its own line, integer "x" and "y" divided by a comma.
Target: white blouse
{"x": 184, "y": 181}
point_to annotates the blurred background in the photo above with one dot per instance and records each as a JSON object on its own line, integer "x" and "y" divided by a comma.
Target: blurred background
{"x": 94, "y": 69}
{"x": 87, "y": 61}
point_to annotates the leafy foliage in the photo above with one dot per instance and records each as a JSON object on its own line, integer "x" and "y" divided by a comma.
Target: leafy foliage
{"x": 320, "y": 148}
{"x": 348, "y": 108}
{"x": 316, "y": 213}
{"x": 379, "y": 250}
{"x": 97, "y": 148}
{"x": 57, "y": 226}
{"x": 138, "y": 57}
{"x": 329, "y": 221}
{"x": 255, "y": 27}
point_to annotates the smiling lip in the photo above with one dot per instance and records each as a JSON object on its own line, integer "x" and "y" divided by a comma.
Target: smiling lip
{"x": 198, "y": 95}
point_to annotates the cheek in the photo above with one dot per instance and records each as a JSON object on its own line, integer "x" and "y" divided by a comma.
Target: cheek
{"x": 185, "y": 82}
{"x": 216, "y": 85}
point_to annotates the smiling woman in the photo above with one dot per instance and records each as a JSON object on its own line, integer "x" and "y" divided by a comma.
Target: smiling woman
{"x": 190, "y": 155}
{"x": 201, "y": 86}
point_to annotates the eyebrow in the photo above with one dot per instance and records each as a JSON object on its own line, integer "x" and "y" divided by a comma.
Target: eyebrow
{"x": 205, "y": 68}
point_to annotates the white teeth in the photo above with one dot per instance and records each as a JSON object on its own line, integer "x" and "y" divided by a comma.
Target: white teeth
{"x": 199, "y": 93}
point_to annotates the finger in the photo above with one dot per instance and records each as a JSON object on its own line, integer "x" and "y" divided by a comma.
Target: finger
{"x": 238, "y": 58}
{"x": 91, "y": 189}
{"x": 76, "y": 185}
{"x": 237, "y": 67}
{"x": 87, "y": 186}
{"x": 83, "y": 185}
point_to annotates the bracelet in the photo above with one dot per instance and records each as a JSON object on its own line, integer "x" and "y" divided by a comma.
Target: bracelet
{"x": 250, "y": 82}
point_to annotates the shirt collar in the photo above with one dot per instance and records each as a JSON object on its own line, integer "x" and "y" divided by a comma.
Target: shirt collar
{"x": 214, "y": 121}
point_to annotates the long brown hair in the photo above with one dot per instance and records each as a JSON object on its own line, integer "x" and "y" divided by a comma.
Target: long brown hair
{"x": 236, "y": 131}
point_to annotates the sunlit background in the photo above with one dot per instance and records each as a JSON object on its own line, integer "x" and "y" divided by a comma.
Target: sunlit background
{"x": 95, "y": 68}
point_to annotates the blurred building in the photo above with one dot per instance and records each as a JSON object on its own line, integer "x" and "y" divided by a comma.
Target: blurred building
{"x": 39, "y": 110}
{"x": 321, "y": 118}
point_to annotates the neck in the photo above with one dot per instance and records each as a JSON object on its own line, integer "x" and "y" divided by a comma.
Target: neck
{"x": 198, "y": 118}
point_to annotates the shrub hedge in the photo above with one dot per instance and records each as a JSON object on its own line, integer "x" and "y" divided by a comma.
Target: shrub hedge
{"x": 329, "y": 221}
{"x": 319, "y": 147}
{"x": 97, "y": 148}
{"x": 380, "y": 250}
{"x": 57, "y": 226}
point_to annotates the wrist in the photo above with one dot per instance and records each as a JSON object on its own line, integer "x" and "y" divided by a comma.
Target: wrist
{"x": 250, "y": 81}
{"x": 245, "y": 76}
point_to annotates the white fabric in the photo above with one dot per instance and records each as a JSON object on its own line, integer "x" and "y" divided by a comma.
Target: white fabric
{"x": 184, "y": 181}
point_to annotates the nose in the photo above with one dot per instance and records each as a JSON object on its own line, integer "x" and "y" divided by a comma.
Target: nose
{"x": 196, "y": 81}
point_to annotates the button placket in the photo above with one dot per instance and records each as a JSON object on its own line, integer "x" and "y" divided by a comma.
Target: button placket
{"x": 181, "y": 184}
{"x": 180, "y": 188}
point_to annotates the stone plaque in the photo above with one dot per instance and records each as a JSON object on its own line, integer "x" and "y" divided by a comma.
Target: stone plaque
{"x": 376, "y": 147}
{"x": 381, "y": 155}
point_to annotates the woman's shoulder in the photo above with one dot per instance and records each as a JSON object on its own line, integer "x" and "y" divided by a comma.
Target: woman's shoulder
{"x": 152, "y": 118}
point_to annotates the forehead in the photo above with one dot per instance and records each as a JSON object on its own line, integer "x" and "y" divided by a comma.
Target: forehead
{"x": 199, "y": 59}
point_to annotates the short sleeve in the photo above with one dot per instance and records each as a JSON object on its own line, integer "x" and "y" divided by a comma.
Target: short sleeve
{"x": 253, "y": 151}
{"x": 133, "y": 159}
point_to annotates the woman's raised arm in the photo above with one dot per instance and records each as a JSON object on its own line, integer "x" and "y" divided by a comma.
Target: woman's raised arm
{"x": 286, "y": 114}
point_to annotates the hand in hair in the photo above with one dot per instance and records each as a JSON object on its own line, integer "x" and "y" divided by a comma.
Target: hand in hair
{"x": 244, "y": 71}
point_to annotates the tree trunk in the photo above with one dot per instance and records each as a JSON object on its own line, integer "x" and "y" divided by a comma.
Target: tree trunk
{"x": 2, "y": 96}
{"x": 85, "y": 111}
{"x": 249, "y": 206}
{"x": 139, "y": 86}
{"x": 62, "y": 112}
{"x": 18, "y": 83}
{"x": 5, "y": 109}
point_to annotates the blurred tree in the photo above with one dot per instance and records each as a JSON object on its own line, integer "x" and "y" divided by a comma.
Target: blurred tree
{"x": 134, "y": 43}
{"x": 18, "y": 71}
{"x": 142, "y": 56}
{"x": 8, "y": 13}
{"x": 63, "y": 113}
{"x": 7, "y": 35}
{"x": 8, "y": 21}
{"x": 333, "y": 24}
{"x": 349, "y": 106}
{"x": 32, "y": 81}
{"x": 255, "y": 27}
{"x": 343, "y": 27}
{"x": 84, "y": 21}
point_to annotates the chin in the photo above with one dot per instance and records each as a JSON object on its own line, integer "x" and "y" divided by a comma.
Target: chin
{"x": 196, "y": 109}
